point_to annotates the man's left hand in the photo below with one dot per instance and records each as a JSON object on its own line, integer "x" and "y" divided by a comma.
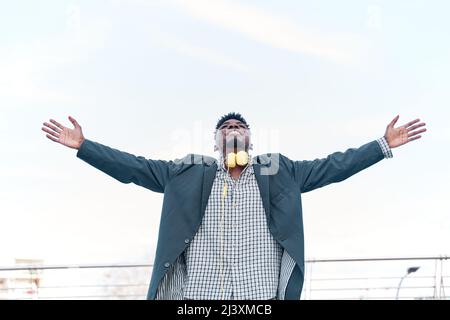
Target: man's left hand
{"x": 404, "y": 134}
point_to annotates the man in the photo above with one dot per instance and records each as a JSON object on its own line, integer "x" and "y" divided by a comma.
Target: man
{"x": 231, "y": 228}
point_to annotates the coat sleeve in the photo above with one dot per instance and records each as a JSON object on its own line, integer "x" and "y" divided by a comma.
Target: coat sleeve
{"x": 338, "y": 166}
{"x": 125, "y": 167}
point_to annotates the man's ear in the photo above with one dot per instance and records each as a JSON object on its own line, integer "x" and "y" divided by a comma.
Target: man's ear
{"x": 251, "y": 146}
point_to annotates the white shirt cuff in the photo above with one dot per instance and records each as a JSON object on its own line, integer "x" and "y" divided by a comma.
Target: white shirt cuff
{"x": 385, "y": 147}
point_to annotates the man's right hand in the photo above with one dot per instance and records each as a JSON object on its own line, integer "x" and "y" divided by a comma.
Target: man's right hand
{"x": 72, "y": 138}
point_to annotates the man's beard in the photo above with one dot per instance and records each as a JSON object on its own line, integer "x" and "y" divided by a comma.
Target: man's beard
{"x": 235, "y": 144}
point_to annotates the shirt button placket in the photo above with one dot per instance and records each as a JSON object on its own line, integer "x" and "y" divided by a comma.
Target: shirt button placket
{"x": 233, "y": 233}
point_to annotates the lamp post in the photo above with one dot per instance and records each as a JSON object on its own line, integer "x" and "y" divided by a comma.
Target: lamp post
{"x": 410, "y": 270}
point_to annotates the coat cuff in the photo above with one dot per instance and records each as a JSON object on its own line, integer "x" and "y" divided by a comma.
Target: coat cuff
{"x": 385, "y": 147}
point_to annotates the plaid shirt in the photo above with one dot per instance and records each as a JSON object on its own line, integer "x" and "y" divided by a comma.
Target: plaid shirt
{"x": 254, "y": 265}
{"x": 249, "y": 265}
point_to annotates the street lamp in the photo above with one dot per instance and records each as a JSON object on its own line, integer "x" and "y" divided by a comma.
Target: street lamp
{"x": 410, "y": 270}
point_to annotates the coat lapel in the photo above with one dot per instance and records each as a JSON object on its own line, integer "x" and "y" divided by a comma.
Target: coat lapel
{"x": 209, "y": 174}
{"x": 263, "y": 182}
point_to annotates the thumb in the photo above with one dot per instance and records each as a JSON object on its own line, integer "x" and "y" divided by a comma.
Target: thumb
{"x": 74, "y": 122}
{"x": 394, "y": 121}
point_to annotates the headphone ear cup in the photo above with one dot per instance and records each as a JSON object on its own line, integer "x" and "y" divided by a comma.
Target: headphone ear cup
{"x": 242, "y": 158}
{"x": 231, "y": 160}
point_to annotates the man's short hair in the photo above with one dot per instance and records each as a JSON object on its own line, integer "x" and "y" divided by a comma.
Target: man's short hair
{"x": 231, "y": 115}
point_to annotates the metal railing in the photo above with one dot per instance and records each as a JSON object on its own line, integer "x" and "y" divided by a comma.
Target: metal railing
{"x": 384, "y": 278}
{"x": 353, "y": 278}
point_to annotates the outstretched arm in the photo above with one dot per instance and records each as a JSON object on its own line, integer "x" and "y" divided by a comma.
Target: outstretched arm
{"x": 122, "y": 166}
{"x": 339, "y": 166}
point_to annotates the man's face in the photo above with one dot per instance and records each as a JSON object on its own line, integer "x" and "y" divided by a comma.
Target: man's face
{"x": 232, "y": 136}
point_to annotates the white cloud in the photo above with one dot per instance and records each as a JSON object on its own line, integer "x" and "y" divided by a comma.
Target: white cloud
{"x": 26, "y": 65}
{"x": 276, "y": 31}
{"x": 199, "y": 52}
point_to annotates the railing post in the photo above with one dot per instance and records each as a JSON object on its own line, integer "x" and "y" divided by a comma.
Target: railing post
{"x": 437, "y": 278}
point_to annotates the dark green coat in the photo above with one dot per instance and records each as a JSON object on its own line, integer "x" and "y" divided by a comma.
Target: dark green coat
{"x": 186, "y": 184}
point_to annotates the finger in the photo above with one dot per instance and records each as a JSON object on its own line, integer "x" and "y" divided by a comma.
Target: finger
{"x": 414, "y": 138}
{"x": 52, "y": 127}
{"x": 51, "y": 138}
{"x": 416, "y": 132}
{"x": 50, "y": 132}
{"x": 394, "y": 121}
{"x": 411, "y": 123}
{"x": 57, "y": 124}
{"x": 74, "y": 122}
{"x": 416, "y": 126}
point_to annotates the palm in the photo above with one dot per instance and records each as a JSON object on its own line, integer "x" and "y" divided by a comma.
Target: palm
{"x": 71, "y": 138}
{"x": 403, "y": 134}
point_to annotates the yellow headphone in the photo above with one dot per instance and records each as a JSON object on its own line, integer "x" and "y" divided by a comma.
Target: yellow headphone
{"x": 240, "y": 158}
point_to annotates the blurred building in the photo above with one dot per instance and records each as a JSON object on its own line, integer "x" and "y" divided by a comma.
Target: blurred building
{"x": 21, "y": 284}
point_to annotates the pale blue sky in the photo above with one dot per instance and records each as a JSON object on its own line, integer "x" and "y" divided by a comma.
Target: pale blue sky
{"x": 311, "y": 78}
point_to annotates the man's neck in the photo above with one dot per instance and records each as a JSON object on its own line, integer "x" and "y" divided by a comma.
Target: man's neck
{"x": 236, "y": 172}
